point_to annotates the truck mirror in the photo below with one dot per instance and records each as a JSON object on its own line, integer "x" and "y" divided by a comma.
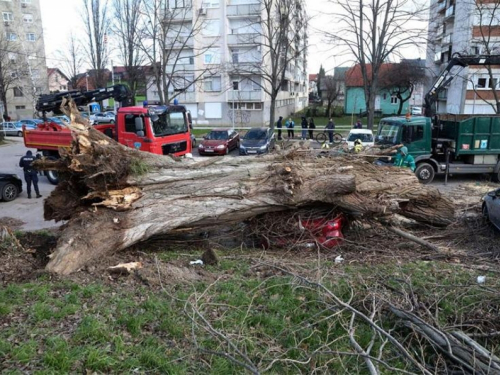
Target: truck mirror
{"x": 139, "y": 124}
{"x": 140, "y": 133}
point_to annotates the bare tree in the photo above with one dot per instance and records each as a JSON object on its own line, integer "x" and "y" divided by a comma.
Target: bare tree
{"x": 168, "y": 42}
{"x": 484, "y": 31}
{"x": 331, "y": 91}
{"x": 97, "y": 24}
{"x": 7, "y": 65}
{"x": 401, "y": 79}
{"x": 127, "y": 29}
{"x": 71, "y": 60}
{"x": 281, "y": 33}
{"x": 373, "y": 32}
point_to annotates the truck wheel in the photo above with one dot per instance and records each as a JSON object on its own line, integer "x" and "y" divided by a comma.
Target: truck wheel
{"x": 425, "y": 173}
{"x": 52, "y": 176}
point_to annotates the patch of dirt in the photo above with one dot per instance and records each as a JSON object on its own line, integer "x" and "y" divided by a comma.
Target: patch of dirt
{"x": 11, "y": 223}
{"x": 18, "y": 265}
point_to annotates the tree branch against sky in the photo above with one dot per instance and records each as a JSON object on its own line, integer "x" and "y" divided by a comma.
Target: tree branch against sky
{"x": 70, "y": 59}
{"x": 97, "y": 23}
{"x": 373, "y": 32}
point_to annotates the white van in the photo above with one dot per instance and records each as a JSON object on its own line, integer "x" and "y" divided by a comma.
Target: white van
{"x": 364, "y": 135}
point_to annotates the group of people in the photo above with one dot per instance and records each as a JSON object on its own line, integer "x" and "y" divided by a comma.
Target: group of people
{"x": 306, "y": 126}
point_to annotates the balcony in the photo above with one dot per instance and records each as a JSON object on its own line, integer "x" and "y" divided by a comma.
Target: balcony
{"x": 185, "y": 97}
{"x": 179, "y": 68}
{"x": 239, "y": 39}
{"x": 245, "y": 96}
{"x": 244, "y": 10}
{"x": 243, "y": 67}
{"x": 179, "y": 42}
{"x": 441, "y": 7}
{"x": 447, "y": 39}
{"x": 178, "y": 15}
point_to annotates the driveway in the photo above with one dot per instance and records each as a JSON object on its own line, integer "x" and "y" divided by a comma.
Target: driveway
{"x": 28, "y": 211}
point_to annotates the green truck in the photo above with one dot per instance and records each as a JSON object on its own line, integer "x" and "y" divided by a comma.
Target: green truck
{"x": 465, "y": 144}
{"x": 457, "y": 144}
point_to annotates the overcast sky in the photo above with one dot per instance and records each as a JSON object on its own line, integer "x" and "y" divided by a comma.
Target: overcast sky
{"x": 61, "y": 17}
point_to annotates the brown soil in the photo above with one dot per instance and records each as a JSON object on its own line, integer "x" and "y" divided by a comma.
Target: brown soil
{"x": 11, "y": 222}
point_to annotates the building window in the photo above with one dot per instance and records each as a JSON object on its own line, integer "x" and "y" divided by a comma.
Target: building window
{"x": 7, "y": 16}
{"x": 18, "y": 92}
{"x": 211, "y": 56}
{"x": 236, "y": 85}
{"x": 63, "y": 88}
{"x": 11, "y": 36}
{"x": 28, "y": 18}
{"x": 25, "y": 1}
{"x": 30, "y": 37}
{"x": 210, "y": 4}
{"x": 20, "y": 107}
{"x": 481, "y": 83}
{"x": 394, "y": 99}
{"x": 256, "y": 86}
{"x": 211, "y": 28}
{"x": 235, "y": 55}
{"x": 212, "y": 84}
{"x": 246, "y": 106}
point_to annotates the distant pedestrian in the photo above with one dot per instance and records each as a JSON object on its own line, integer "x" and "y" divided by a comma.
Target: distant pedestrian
{"x": 289, "y": 127}
{"x": 304, "y": 124}
{"x": 312, "y": 126}
{"x": 358, "y": 125}
{"x": 330, "y": 127}
{"x": 30, "y": 173}
{"x": 279, "y": 125}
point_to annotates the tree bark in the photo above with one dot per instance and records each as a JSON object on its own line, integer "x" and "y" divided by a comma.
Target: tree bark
{"x": 110, "y": 205}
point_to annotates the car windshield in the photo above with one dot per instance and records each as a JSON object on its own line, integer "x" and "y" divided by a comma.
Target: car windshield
{"x": 255, "y": 134}
{"x": 363, "y": 137}
{"x": 388, "y": 132}
{"x": 169, "y": 123}
{"x": 217, "y": 136}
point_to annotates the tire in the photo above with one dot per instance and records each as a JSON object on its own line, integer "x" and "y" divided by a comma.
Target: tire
{"x": 425, "y": 173}
{"x": 9, "y": 192}
{"x": 52, "y": 176}
{"x": 19, "y": 134}
{"x": 337, "y": 138}
{"x": 321, "y": 138}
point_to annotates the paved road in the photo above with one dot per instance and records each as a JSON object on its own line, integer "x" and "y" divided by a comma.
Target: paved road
{"x": 30, "y": 211}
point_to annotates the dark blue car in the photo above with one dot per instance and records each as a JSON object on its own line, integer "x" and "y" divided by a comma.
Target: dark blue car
{"x": 491, "y": 208}
{"x": 257, "y": 141}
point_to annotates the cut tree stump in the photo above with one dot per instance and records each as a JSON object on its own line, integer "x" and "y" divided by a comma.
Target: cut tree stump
{"x": 114, "y": 196}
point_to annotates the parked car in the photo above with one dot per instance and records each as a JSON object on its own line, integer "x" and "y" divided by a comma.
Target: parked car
{"x": 102, "y": 117}
{"x": 219, "y": 142}
{"x": 65, "y": 119}
{"x": 57, "y": 120}
{"x": 10, "y": 186}
{"x": 32, "y": 122}
{"x": 257, "y": 141}
{"x": 364, "y": 135}
{"x": 15, "y": 128}
{"x": 491, "y": 208}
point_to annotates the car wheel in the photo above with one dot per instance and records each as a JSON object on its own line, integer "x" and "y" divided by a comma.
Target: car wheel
{"x": 9, "y": 192}
{"x": 112, "y": 122}
{"x": 425, "y": 173}
{"x": 19, "y": 134}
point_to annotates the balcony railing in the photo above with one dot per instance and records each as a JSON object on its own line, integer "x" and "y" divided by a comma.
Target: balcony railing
{"x": 236, "y": 39}
{"x": 441, "y": 7}
{"x": 450, "y": 11}
{"x": 243, "y": 10}
{"x": 180, "y": 42}
{"x": 246, "y": 67}
{"x": 447, "y": 39}
{"x": 179, "y": 15}
{"x": 185, "y": 97}
{"x": 246, "y": 96}
{"x": 179, "y": 68}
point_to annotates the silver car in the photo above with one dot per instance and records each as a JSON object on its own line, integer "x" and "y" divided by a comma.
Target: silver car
{"x": 14, "y": 128}
{"x": 103, "y": 118}
{"x": 491, "y": 207}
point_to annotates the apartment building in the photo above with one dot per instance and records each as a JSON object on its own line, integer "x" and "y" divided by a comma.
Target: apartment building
{"x": 220, "y": 71}
{"x": 468, "y": 27}
{"x": 22, "y": 54}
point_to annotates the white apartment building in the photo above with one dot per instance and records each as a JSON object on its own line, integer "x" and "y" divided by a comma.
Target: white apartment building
{"x": 224, "y": 60}
{"x": 464, "y": 26}
{"x": 23, "y": 66}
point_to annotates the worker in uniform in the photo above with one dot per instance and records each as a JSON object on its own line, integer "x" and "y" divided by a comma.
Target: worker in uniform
{"x": 30, "y": 173}
{"x": 358, "y": 146}
{"x": 404, "y": 160}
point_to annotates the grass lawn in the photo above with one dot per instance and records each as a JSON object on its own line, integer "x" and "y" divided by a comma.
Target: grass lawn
{"x": 272, "y": 320}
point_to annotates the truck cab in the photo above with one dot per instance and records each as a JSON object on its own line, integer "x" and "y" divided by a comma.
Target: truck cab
{"x": 160, "y": 130}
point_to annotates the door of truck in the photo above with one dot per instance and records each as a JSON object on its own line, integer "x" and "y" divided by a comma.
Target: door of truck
{"x": 132, "y": 137}
{"x": 416, "y": 136}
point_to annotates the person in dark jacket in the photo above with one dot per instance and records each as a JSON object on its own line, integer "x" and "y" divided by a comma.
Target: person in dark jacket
{"x": 358, "y": 124}
{"x": 312, "y": 126}
{"x": 331, "y": 128}
{"x": 279, "y": 125}
{"x": 30, "y": 173}
{"x": 303, "y": 124}
{"x": 290, "y": 124}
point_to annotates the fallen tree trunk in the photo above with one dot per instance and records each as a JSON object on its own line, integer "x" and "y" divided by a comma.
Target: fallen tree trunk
{"x": 114, "y": 196}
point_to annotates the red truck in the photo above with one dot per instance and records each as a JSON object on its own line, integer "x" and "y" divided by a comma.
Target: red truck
{"x": 160, "y": 130}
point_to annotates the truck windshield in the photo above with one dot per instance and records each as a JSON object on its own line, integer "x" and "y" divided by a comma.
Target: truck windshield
{"x": 169, "y": 124}
{"x": 388, "y": 132}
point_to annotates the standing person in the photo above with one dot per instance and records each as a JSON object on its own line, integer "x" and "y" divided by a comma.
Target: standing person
{"x": 289, "y": 126}
{"x": 331, "y": 128}
{"x": 358, "y": 124}
{"x": 312, "y": 126}
{"x": 279, "y": 125}
{"x": 404, "y": 160}
{"x": 304, "y": 128}
{"x": 30, "y": 173}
